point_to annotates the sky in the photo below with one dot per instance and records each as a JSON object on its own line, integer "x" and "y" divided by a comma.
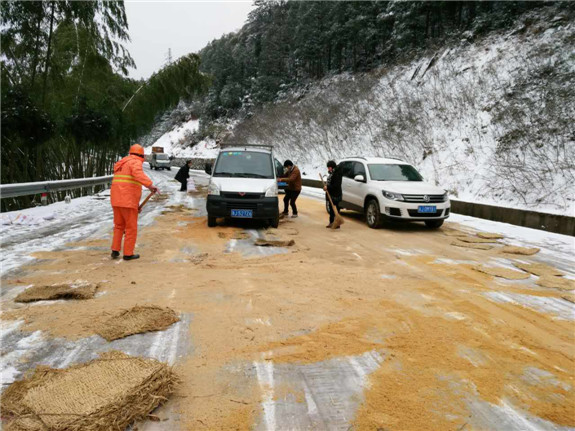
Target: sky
{"x": 184, "y": 26}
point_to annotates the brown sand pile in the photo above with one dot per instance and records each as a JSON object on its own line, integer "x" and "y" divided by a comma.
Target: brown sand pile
{"x": 509, "y": 274}
{"x": 539, "y": 269}
{"x": 472, "y": 245}
{"x": 136, "y": 320}
{"x": 556, "y": 283}
{"x": 241, "y": 235}
{"x": 274, "y": 243}
{"x": 107, "y": 393}
{"x": 476, "y": 240}
{"x": 58, "y": 291}
{"x": 489, "y": 235}
{"x": 198, "y": 258}
{"x": 526, "y": 251}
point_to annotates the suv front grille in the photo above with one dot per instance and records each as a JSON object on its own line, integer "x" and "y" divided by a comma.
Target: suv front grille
{"x": 414, "y": 213}
{"x": 420, "y": 199}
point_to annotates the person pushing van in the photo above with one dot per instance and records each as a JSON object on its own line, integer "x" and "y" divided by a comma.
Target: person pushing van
{"x": 125, "y": 194}
{"x": 293, "y": 190}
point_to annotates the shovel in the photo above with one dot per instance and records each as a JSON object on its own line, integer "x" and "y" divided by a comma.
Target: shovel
{"x": 145, "y": 201}
{"x": 338, "y": 220}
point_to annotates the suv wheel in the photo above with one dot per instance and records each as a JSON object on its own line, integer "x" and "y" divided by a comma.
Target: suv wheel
{"x": 211, "y": 221}
{"x": 434, "y": 224}
{"x": 372, "y": 214}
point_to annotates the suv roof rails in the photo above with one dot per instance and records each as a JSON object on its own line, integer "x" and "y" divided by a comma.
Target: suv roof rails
{"x": 246, "y": 145}
{"x": 355, "y": 157}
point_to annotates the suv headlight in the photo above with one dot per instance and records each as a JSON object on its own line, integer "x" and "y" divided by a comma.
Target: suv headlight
{"x": 272, "y": 191}
{"x": 213, "y": 189}
{"x": 445, "y": 196}
{"x": 392, "y": 196}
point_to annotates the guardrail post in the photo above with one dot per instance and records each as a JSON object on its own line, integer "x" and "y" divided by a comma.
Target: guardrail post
{"x": 44, "y": 199}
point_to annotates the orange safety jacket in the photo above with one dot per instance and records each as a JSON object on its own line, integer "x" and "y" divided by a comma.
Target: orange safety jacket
{"x": 129, "y": 177}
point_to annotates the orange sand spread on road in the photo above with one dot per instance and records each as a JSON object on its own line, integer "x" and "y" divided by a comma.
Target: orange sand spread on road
{"x": 324, "y": 298}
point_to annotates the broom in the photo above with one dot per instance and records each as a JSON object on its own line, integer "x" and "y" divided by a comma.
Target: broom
{"x": 145, "y": 201}
{"x": 338, "y": 220}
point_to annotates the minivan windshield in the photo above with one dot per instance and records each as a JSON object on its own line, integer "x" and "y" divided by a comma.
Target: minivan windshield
{"x": 162, "y": 156}
{"x": 244, "y": 164}
{"x": 385, "y": 172}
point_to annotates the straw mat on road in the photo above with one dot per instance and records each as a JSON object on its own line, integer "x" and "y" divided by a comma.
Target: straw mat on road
{"x": 472, "y": 245}
{"x": 509, "y": 274}
{"x": 539, "y": 269}
{"x": 476, "y": 240}
{"x": 136, "y": 320}
{"x": 58, "y": 291}
{"x": 556, "y": 283}
{"x": 489, "y": 235}
{"x": 107, "y": 393}
{"x": 526, "y": 251}
{"x": 274, "y": 243}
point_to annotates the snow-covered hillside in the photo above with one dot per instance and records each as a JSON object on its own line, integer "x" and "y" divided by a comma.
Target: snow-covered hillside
{"x": 490, "y": 120}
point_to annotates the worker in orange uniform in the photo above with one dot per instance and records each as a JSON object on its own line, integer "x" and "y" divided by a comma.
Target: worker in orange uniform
{"x": 129, "y": 177}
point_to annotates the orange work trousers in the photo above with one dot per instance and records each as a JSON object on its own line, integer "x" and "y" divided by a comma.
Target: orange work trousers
{"x": 125, "y": 222}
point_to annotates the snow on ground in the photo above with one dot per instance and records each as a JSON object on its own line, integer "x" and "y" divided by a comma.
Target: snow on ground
{"x": 490, "y": 121}
{"x": 51, "y": 227}
{"x": 173, "y": 141}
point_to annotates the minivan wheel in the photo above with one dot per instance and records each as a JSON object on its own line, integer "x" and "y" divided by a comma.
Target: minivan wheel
{"x": 372, "y": 214}
{"x": 433, "y": 224}
{"x": 275, "y": 222}
{"x": 212, "y": 221}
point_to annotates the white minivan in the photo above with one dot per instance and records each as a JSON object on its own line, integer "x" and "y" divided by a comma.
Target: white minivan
{"x": 243, "y": 184}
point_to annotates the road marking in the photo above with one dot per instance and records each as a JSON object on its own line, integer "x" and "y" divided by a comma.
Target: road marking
{"x": 265, "y": 373}
{"x": 174, "y": 344}
{"x": 156, "y": 345}
{"x": 311, "y": 405}
{"x": 71, "y": 356}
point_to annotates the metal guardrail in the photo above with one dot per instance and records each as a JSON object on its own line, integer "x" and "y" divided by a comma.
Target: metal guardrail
{"x": 561, "y": 224}
{"x": 25, "y": 189}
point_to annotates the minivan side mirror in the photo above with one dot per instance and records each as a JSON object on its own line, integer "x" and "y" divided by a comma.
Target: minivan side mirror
{"x": 208, "y": 168}
{"x": 359, "y": 178}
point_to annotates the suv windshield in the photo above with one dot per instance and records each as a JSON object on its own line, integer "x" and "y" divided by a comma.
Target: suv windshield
{"x": 244, "y": 164}
{"x": 162, "y": 157}
{"x": 394, "y": 173}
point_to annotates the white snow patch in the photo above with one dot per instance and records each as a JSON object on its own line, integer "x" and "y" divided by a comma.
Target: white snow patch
{"x": 563, "y": 310}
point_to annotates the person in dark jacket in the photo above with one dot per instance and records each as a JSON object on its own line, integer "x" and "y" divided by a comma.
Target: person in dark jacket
{"x": 293, "y": 180}
{"x": 183, "y": 175}
{"x": 333, "y": 187}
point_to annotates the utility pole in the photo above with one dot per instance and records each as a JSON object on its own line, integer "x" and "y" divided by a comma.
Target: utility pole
{"x": 169, "y": 57}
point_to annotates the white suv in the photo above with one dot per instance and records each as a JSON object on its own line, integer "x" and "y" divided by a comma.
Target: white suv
{"x": 387, "y": 189}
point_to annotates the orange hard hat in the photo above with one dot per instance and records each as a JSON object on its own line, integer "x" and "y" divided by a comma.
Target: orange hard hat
{"x": 137, "y": 149}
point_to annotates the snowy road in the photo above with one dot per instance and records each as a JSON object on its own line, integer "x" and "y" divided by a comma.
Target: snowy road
{"x": 390, "y": 329}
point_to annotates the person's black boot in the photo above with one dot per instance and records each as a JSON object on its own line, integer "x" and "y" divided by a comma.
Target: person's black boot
{"x": 115, "y": 254}
{"x": 132, "y": 257}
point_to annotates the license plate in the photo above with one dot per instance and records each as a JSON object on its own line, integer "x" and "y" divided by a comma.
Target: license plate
{"x": 242, "y": 213}
{"x": 282, "y": 183}
{"x": 427, "y": 209}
